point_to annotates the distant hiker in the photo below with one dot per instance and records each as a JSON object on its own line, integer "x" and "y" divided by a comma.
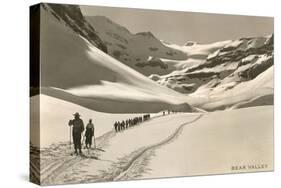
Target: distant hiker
{"x": 163, "y": 113}
{"x": 90, "y": 130}
{"x": 123, "y": 125}
{"x": 78, "y": 128}
{"x": 146, "y": 117}
{"x": 116, "y": 126}
{"x": 127, "y": 124}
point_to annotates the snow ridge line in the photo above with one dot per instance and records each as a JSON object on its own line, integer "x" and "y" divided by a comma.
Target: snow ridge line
{"x": 128, "y": 167}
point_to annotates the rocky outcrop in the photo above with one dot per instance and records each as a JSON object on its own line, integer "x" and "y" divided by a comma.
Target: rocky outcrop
{"x": 72, "y": 16}
{"x": 153, "y": 62}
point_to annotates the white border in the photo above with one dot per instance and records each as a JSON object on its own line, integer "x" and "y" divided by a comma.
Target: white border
{"x": 14, "y": 59}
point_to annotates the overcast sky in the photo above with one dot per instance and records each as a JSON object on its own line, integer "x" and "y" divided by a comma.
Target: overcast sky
{"x": 179, "y": 27}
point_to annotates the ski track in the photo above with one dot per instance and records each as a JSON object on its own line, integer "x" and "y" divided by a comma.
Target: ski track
{"x": 54, "y": 168}
{"x": 124, "y": 175}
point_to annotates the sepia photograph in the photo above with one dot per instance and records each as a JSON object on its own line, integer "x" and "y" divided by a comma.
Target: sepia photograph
{"x": 122, "y": 94}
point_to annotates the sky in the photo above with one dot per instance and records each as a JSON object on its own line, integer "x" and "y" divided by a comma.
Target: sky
{"x": 179, "y": 27}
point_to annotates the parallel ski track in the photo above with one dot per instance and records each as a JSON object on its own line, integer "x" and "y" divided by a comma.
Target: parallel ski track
{"x": 52, "y": 170}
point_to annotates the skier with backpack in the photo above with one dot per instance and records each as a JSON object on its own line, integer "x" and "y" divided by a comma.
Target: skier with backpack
{"x": 90, "y": 130}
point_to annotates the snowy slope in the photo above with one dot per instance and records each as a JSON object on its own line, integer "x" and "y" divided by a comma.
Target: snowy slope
{"x": 121, "y": 148}
{"x": 212, "y": 145}
{"x": 75, "y": 70}
{"x": 54, "y": 116}
{"x": 204, "y": 144}
{"x": 245, "y": 92}
{"x": 263, "y": 100}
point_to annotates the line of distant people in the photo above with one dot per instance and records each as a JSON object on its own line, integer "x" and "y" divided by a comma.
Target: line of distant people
{"x": 125, "y": 124}
{"x": 170, "y": 111}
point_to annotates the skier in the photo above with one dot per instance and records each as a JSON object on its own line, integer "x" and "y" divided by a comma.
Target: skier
{"x": 78, "y": 128}
{"x": 116, "y": 126}
{"x": 90, "y": 130}
{"x": 127, "y": 124}
{"x": 123, "y": 125}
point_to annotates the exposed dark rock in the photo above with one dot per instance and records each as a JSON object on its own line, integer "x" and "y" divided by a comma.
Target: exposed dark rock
{"x": 153, "y": 62}
{"x": 72, "y": 16}
{"x": 224, "y": 65}
{"x": 146, "y": 34}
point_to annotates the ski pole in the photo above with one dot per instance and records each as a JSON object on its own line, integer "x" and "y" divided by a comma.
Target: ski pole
{"x": 83, "y": 140}
{"x": 70, "y": 137}
{"x": 94, "y": 140}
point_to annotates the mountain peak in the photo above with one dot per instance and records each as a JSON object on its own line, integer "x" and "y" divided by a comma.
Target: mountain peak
{"x": 106, "y": 22}
{"x": 146, "y": 34}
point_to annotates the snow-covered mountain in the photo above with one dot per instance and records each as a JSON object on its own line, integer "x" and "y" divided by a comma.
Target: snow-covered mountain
{"x": 238, "y": 63}
{"x": 136, "y": 50}
{"x": 98, "y": 64}
{"x": 75, "y": 69}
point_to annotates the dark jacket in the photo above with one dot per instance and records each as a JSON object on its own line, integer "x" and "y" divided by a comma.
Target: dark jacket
{"x": 78, "y": 126}
{"x": 90, "y": 130}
